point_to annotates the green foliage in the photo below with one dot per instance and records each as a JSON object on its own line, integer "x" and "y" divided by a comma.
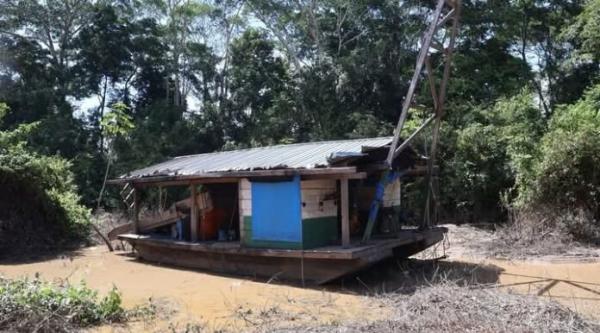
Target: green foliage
{"x": 586, "y": 31}
{"x": 260, "y": 99}
{"x": 491, "y": 151}
{"x": 3, "y": 110}
{"x": 163, "y": 133}
{"x": 368, "y": 126}
{"x": 38, "y": 192}
{"x": 197, "y": 76}
{"x": 565, "y": 173}
{"x": 117, "y": 122}
{"x": 27, "y": 304}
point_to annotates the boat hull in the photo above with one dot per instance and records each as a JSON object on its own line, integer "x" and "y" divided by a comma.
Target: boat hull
{"x": 315, "y": 266}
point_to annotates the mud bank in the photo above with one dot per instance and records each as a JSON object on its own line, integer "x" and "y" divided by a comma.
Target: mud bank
{"x": 218, "y": 302}
{"x": 188, "y": 296}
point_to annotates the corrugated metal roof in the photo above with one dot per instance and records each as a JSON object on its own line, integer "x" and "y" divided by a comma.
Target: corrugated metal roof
{"x": 293, "y": 156}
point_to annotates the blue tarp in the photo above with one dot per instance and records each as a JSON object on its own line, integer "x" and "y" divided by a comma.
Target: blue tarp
{"x": 276, "y": 211}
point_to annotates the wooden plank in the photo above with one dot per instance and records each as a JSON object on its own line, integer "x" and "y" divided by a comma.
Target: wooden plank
{"x": 357, "y": 175}
{"x": 193, "y": 214}
{"x": 318, "y": 266}
{"x": 119, "y": 230}
{"x": 136, "y": 210}
{"x": 432, "y": 83}
{"x": 143, "y": 226}
{"x": 362, "y": 251}
{"x": 182, "y": 182}
{"x": 439, "y": 112}
{"x": 413, "y": 135}
{"x": 345, "y": 208}
{"x": 235, "y": 248}
{"x": 308, "y": 270}
{"x": 231, "y": 175}
{"x": 445, "y": 19}
{"x": 317, "y": 184}
{"x": 155, "y": 223}
{"x": 243, "y": 193}
{"x": 318, "y": 194}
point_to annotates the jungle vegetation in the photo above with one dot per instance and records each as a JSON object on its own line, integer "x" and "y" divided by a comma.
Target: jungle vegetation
{"x": 521, "y": 132}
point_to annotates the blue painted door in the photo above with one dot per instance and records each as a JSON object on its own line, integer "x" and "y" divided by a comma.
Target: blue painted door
{"x": 276, "y": 211}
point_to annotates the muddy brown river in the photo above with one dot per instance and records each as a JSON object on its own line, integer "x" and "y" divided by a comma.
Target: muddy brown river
{"x": 228, "y": 302}
{"x": 190, "y": 296}
{"x": 573, "y": 284}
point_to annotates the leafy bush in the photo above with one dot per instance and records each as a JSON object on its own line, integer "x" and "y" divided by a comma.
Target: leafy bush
{"x": 489, "y": 154}
{"x": 27, "y": 305}
{"x": 39, "y": 205}
{"x": 585, "y": 30}
{"x": 565, "y": 174}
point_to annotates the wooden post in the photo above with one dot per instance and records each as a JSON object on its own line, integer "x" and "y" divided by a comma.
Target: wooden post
{"x": 136, "y": 210}
{"x": 193, "y": 214}
{"x": 345, "y": 212}
{"x": 160, "y": 199}
{"x": 240, "y": 197}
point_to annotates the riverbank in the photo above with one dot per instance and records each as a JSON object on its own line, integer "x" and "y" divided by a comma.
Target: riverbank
{"x": 187, "y": 296}
{"x": 561, "y": 288}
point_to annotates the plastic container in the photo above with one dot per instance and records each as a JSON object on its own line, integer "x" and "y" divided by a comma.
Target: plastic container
{"x": 209, "y": 226}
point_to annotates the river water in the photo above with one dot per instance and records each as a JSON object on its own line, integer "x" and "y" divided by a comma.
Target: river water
{"x": 190, "y": 296}
{"x": 220, "y": 301}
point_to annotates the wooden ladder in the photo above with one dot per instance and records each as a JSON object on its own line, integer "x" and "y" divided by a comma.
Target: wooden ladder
{"x": 128, "y": 197}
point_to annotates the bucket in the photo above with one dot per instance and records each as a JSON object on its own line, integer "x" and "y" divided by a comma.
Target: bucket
{"x": 222, "y": 235}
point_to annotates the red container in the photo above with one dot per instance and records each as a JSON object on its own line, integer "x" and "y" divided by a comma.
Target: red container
{"x": 209, "y": 225}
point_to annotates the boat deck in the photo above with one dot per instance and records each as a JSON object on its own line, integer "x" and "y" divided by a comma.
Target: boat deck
{"x": 355, "y": 251}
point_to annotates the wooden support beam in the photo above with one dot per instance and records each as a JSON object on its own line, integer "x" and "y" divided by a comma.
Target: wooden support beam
{"x": 345, "y": 208}
{"x": 412, "y": 136}
{"x": 193, "y": 215}
{"x": 357, "y": 175}
{"x": 415, "y": 80}
{"x": 439, "y": 112}
{"x": 232, "y": 176}
{"x": 445, "y": 19}
{"x": 124, "y": 189}
{"x": 187, "y": 182}
{"x": 136, "y": 210}
{"x": 230, "y": 180}
{"x": 432, "y": 83}
{"x": 240, "y": 197}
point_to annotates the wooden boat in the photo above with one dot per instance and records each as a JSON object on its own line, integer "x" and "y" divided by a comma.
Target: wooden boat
{"x": 297, "y": 206}
{"x": 296, "y": 212}
{"x": 315, "y": 266}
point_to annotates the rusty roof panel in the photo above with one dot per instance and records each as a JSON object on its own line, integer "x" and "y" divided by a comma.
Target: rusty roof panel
{"x": 293, "y": 156}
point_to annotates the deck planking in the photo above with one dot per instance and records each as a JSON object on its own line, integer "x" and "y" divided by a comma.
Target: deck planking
{"x": 356, "y": 250}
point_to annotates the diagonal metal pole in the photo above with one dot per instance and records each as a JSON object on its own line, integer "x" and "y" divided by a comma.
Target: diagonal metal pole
{"x": 433, "y": 27}
{"x": 438, "y": 22}
{"x": 439, "y": 112}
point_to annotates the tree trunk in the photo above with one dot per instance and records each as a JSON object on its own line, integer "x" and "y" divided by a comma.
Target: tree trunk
{"x": 108, "y": 244}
